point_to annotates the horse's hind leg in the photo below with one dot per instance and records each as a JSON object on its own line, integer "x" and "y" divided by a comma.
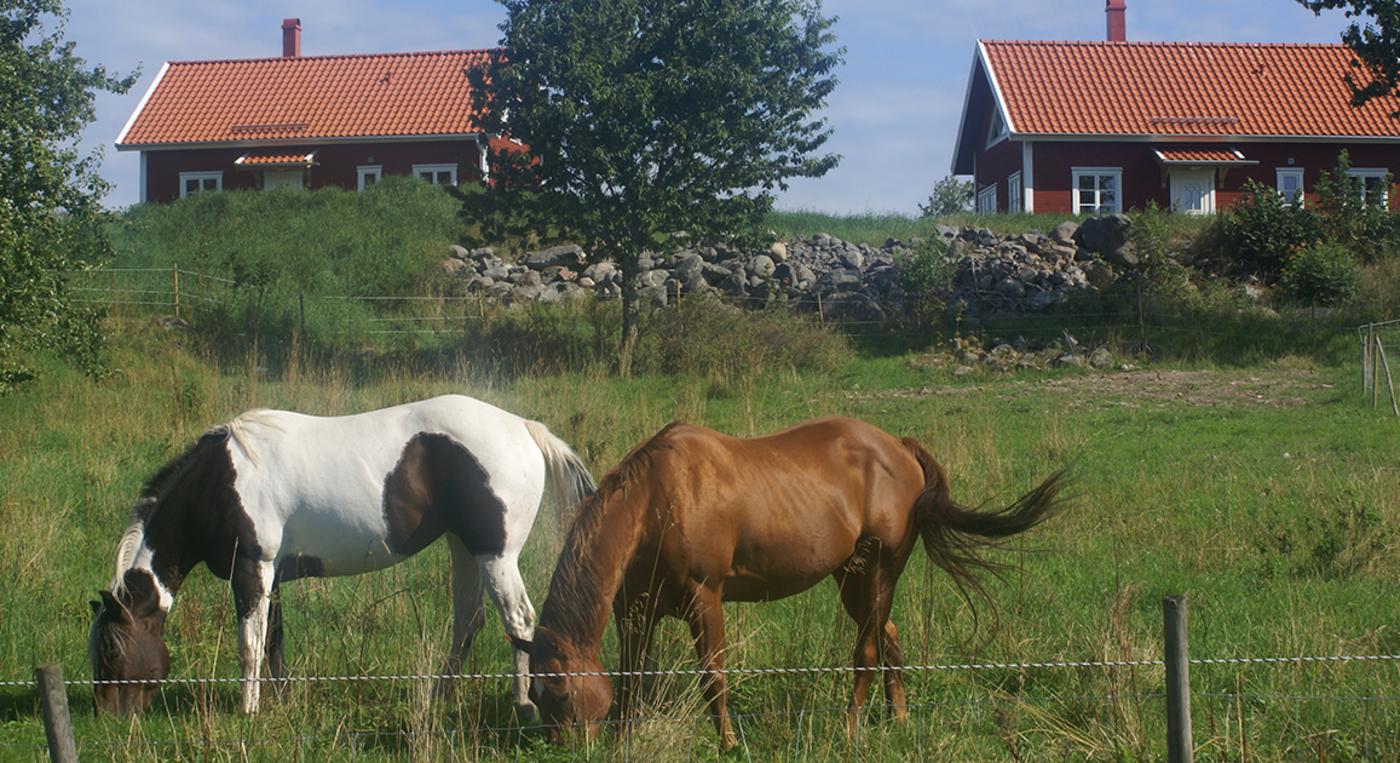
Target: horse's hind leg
{"x": 868, "y": 602}
{"x": 508, "y": 591}
{"x": 276, "y": 660}
{"x": 706, "y": 618}
{"x": 894, "y": 679}
{"x": 468, "y": 612}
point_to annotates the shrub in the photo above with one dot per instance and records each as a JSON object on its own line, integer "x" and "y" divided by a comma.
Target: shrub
{"x": 1323, "y": 275}
{"x": 926, "y": 278}
{"x": 1260, "y": 231}
{"x": 950, "y": 196}
{"x": 1365, "y": 229}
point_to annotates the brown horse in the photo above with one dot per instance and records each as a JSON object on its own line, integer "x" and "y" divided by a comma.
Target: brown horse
{"x": 693, "y": 518}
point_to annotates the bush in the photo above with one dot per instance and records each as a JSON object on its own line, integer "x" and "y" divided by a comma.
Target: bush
{"x": 1323, "y": 275}
{"x": 950, "y": 196}
{"x": 1346, "y": 218}
{"x": 926, "y": 278}
{"x": 1260, "y": 231}
{"x": 279, "y": 245}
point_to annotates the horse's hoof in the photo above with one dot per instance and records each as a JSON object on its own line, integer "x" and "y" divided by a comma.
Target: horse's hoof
{"x": 527, "y": 714}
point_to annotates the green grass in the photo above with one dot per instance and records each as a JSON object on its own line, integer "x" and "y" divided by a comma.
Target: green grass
{"x": 1267, "y": 494}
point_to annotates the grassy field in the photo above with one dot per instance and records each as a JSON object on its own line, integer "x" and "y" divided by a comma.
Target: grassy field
{"x": 1267, "y": 494}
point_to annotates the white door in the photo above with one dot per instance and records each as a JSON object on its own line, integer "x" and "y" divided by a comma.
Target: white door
{"x": 282, "y": 179}
{"x": 1193, "y": 191}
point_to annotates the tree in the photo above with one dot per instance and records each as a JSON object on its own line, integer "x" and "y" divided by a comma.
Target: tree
{"x": 950, "y": 196}
{"x": 1376, "y": 43}
{"x": 50, "y": 212}
{"x": 645, "y": 119}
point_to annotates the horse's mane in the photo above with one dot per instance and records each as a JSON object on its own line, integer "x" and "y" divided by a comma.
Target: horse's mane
{"x": 578, "y": 581}
{"x": 149, "y": 500}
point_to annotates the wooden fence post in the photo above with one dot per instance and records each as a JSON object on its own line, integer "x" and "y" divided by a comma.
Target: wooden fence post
{"x": 175, "y": 287}
{"x": 58, "y": 726}
{"x": 1365, "y": 334}
{"x": 1179, "y": 748}
{"x": 1375, "y": 368}
{"x": 1390, "y": 383}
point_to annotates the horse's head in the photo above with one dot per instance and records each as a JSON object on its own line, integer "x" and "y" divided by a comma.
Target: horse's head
{"x": 567, "y": 702}
{"x": 127, "y": 644}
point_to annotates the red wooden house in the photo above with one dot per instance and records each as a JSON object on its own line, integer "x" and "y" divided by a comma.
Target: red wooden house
{"x": 1086, "y": 127}
{"x": 307, "y": 121}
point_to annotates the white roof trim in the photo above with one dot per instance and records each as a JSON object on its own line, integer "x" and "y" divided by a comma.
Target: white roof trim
{"x": 962, "y": 120}
{"x": 131, "y": 120}
{"x": 996, "y": 87}
{"x": 273, "y": 143}
{"x": 979, "y": 58}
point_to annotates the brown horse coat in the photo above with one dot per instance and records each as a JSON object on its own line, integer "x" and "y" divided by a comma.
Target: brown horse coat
{"x": 693, "y": 518}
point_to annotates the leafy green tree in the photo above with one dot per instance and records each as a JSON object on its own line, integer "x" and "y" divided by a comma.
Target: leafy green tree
{"x": 1323, "y": 275}
{"x": 1351, "y": 218}
{"x": 950, "y": 196}
{"x": 650, "y": 118}
{"x": 50, "y": 212}
{"x": 1261, "y": 230}
{"x": 1375, "y": 41}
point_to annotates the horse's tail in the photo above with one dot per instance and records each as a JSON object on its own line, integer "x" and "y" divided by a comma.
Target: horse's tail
{"x": 953, "y": 534}
{"x": 569, "y": 478}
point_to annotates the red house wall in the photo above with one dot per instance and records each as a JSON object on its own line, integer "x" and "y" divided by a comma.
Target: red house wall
{"x": 335, "y": 164}
{"x": 995, "y": 165}
{"x": 1144, "y": 179}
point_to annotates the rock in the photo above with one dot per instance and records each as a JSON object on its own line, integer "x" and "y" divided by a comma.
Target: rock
{"x": 1101, "y": 358}
{"x": 586, "y": 282}
{"x": 526, "y": 278}
{"x": 1064, "y": 232}
{"x": 480, "y": 283}
{"x": 1012, "y": 288}
{"x": 778, "y": 251}
{"x": 843, "y": 279}
{"x": 482, "y": 253}
{"x": 805, "y": 277}
{"x": 567, "y": 255}
{"x": 452, "y": 266}
{"x": 653, "y": 295}
{"x": 688, "y": 266}
{"x": 852, "y": 259}
{"x": 784, "y": 273}
{"x": 1069, "y": 359}
{"x": 761, "y": 266}
{"x": 1099, "y": 274}
{"x": 525, "y": 293}
{"x": 652, "y": 278}
{"x": 1104, "y": 234}
{"x": 496, "y": 271}
{"x": 599, "y": 271}
{"x": 458, "y": 252}
{"x": 963, "y": 370}
{"x": 1124, "y": 256}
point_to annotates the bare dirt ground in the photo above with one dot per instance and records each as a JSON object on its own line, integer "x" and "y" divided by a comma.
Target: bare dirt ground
{"x": 1144, "y": 388}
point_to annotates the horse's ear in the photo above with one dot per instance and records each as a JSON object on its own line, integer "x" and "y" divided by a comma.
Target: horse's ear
{"x": 110, "y": 603}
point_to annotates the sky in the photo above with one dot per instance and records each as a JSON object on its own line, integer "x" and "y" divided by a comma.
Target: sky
{"x": 894, "y": 114}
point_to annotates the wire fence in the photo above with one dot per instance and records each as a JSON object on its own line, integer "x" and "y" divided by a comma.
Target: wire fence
{"x": 1375, "y": 363}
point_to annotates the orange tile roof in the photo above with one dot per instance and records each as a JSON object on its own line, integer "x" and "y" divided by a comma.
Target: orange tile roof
{"x": 307, "y": 98}
{"x": 269, "y": 158}
{"x": 1201, "y": 156}
{"x": 1174, "y": 88}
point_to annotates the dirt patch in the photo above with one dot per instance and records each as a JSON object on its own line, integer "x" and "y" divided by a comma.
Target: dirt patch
{"x": 1276, "y": 388}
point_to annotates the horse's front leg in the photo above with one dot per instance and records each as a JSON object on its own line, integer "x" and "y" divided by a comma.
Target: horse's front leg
{"x": 706, "y": 618}
{"x": 252, "y": 581}
{"x": 502, "y": 575}
{"x": 636, "y": 621}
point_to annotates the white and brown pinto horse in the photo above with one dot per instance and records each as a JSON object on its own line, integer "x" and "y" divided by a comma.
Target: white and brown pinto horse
{"x": 273, "y": 496}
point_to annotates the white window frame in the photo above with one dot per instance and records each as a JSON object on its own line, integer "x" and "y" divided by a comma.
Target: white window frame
{"x": 987, "y": 200}
{"x": 1294, "y": 172}
{"x": 1015, "y": 198}
{"x": 1115, "y": 172}
{"x": 217, "y": 176}
{"x": 366, "y": 170}
{"x": 997, "y": 130}
{"x": 1371, "y": 173}
{"x": 419, "y": 169}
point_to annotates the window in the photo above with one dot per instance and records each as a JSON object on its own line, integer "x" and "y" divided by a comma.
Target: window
{"x": 987, "y": 200}
{"x": 1290, "y": 186}
{"x": 197, "y": 182}
{"x": 1097, "y": 190}
{"x": 369, "y": 175}
{"x": 1014, "y": 201}
{"x": 437, "y": 174}
{"x": 1373, "y": 184}
{"x": 997, "y": 131}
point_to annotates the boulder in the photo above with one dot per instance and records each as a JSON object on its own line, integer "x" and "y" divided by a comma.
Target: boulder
{"x": 599, "y": 271}
{"x": 761, "y": 266}
{"x": 458, "y": 252}
{"x": 1104, "y": 234}
{"x": 778, "y": 251}
{"x": 852, "y": 259}
{"x": 453, "y": 266}
{"x": 1063, "y": 233}
{"x": 567, "y": 255}
{"x": 1124, "y": 256}
{"x": 652, "y": 278}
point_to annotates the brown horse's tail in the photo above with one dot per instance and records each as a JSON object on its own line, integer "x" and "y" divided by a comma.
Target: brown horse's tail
{"x": 954, "y": 534}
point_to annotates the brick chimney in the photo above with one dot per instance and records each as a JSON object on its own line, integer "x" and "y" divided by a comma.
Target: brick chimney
{"x": 291, "y": 38}
{"x": 1117, "y": 20}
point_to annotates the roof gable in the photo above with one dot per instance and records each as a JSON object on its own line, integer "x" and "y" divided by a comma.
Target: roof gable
{"x": 307, "y": 98}
{"x": 1164, "y": 90}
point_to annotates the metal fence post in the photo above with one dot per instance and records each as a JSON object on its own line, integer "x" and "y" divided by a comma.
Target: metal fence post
{"x": 175, "y": 287}
{"x": 1179, "y": 748}
{"x": 58, "y": 726}
{"x": 1389, "y": 382}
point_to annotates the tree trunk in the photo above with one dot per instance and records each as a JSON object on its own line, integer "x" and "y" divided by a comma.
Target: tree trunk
{"x": 631, "y": 315}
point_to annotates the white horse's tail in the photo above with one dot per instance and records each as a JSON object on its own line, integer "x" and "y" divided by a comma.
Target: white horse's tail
{"x": 568, "y": 477}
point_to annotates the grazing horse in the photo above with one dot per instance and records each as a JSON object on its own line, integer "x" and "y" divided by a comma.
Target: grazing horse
{"x": 273, "y": 496}
{"x": 693, "y": 518}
